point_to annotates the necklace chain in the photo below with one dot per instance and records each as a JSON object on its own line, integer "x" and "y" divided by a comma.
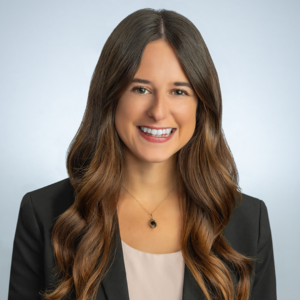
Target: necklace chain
{"x": 143, "y": 206}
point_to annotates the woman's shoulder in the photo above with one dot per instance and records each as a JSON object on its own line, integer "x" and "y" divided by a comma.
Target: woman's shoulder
{"x": 248, "y": 225}
{"x": 48, "y": 202}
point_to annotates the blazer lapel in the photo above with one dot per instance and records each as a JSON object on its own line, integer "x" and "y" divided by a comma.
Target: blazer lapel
{"x": 115, "y": 282}
{"x": 191, "y": 289}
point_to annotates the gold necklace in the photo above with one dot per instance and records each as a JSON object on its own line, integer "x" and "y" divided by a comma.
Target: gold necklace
{"x": 152, "y": 222}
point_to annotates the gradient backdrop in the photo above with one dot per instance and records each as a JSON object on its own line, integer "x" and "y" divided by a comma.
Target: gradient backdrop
{"x": 49, "y": 50}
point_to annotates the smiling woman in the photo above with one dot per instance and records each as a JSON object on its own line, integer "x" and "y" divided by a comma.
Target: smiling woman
{"x": 152, "y": 208}
{"x": 157, "y": 105}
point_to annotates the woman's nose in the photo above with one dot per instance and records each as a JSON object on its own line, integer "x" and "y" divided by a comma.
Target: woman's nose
{"x": 159, "y": 107}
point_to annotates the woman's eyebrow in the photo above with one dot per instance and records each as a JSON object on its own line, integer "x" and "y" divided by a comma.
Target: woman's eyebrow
{"x": 177, "y": 83}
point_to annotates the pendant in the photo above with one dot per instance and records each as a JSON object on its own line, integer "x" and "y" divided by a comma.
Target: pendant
{"x": 153, "y": 223}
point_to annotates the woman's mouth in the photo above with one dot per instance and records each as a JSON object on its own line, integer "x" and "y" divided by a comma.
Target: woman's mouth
{"x": 156, "y": 135}
{"x": 157, "y": 132}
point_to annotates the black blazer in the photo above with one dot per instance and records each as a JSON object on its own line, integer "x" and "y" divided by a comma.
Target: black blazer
{"x": 32, "y": 260}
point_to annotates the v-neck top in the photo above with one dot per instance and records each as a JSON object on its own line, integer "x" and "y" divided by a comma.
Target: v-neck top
{"x": 153, "y": 276}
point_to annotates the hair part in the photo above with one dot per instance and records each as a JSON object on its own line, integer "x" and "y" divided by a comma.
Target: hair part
{"x": 207, "y": 175}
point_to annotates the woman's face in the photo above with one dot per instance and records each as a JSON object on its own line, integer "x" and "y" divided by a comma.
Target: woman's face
{"x": 159, "y": 97}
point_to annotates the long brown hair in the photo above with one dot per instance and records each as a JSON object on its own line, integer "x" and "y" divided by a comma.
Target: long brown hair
{"x": 95, "y": 163}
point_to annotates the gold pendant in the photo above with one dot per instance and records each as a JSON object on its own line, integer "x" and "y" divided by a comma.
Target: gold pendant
{"x": 153, "y": 223}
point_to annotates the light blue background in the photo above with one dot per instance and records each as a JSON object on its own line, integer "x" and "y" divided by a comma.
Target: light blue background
{"x": 47, "y": 56}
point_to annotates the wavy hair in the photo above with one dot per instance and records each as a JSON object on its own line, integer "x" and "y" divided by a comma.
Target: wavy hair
{"x": 208, "y": 178}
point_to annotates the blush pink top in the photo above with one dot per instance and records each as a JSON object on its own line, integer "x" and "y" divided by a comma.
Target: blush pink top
{"x": 153, "y": 276}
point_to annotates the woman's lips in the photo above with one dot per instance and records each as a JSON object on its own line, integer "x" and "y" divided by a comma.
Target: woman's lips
{"x": 154, "y": 139}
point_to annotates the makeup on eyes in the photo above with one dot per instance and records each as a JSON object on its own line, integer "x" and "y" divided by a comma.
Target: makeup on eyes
{"x": 142, "y": 87}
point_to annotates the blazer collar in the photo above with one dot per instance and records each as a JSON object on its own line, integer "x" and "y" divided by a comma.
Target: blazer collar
{"x": 115, "y": 282}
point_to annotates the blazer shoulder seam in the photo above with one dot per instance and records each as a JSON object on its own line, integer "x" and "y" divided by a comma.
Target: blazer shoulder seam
{"x": 34, "y": 214}
{"x": 259, "y": 224}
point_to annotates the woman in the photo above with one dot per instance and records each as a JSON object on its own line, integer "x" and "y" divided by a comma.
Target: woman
{"x": 152, "y": 208}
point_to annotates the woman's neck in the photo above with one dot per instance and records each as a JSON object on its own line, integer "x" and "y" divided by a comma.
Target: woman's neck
{"x": 149, "y": 181}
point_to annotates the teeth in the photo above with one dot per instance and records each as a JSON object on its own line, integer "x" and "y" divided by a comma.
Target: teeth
{"x": 157, "y": 132}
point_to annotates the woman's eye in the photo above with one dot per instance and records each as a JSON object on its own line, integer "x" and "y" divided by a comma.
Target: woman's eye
{"x": 181, "y": 92}
{"x": 140, "y": 90}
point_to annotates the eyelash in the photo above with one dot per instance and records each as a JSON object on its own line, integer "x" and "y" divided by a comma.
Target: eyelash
{"x": 141, "y": 87}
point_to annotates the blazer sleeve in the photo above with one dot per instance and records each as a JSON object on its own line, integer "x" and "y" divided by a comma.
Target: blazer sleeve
{"x": 27, "y": 273}
{"x": 264, "y": 286}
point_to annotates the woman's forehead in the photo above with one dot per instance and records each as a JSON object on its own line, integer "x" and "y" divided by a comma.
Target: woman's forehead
{"x": 160, "y": 63}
